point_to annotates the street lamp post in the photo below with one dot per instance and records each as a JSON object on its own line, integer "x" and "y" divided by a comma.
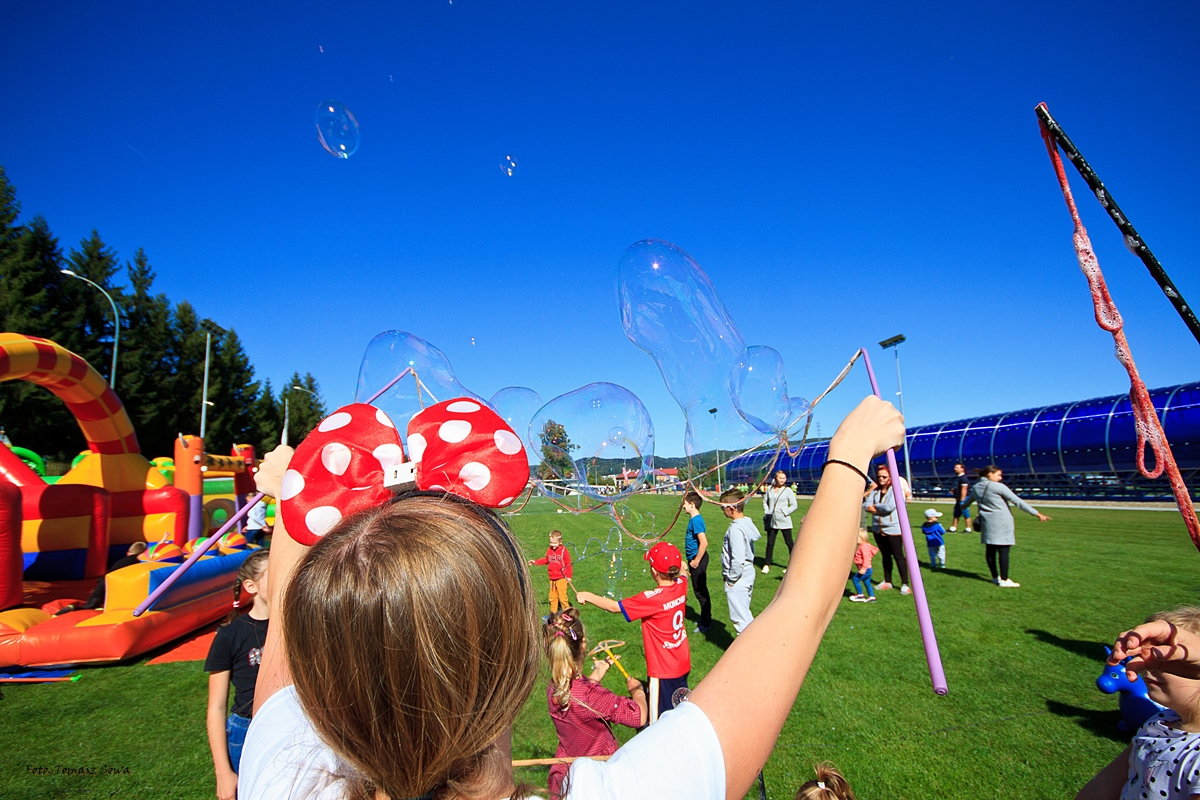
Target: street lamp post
{"x": 112, "y": 374}
{"x": 894, "y": 343}
{"x": 283, "y": 439}
{"x": 210, "y": 328}
{"x": 717, "y": 439}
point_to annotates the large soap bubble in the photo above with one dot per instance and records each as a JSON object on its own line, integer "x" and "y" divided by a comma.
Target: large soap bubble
{"x": 387, "y": 356}
{"x": 516, "y": 405}
{"x": 758, "y": 388}
{"x": 670, "y": 309}
{"x": 337, "y": 129}
{"x": 584, "y": 438}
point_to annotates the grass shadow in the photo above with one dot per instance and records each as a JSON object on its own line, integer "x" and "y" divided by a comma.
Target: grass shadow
{"x": 1093, "y": 651}
{"x": 718, "y": 634}
{"x": 1098, "y": 723}
{"x": 959, "y": 573}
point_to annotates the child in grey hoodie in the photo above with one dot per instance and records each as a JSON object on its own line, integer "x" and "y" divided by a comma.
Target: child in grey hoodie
{"x": 737, "y": 558}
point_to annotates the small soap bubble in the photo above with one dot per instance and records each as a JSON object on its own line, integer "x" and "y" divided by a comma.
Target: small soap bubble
{"x": 337, "y": 129}
{"x": 472, "y": 341}
{"x": 617, "y": 435}
{"x": 322, "y": 49}
{"x": 509, "y": 166}
{"x": 597, "y": 403}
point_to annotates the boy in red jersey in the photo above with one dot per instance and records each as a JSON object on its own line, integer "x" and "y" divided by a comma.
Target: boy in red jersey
{"x": 558, "y": 566}
{"x": 661, "y": 610}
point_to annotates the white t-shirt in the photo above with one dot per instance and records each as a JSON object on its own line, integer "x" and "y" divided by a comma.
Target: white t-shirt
{"x": 677, "y": 757}
{"x": 1165, "y": 761}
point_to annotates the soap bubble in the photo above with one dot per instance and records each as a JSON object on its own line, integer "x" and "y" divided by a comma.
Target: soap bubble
{"x": 758, "y": 387}
{"x": 516, "y": 405}
{"x": 670, "y": 309}
{"x": 574, "y": 435}
{"x": 337, "y": 129}
{"x": 388, "y": 355}
{"x": 509, "y": 166}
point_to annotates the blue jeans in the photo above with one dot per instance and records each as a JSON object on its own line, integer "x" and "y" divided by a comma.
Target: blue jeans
{"x": 937, "y": 555}
{"x": 235, "y": 735}
{"x": 862, "y": 583}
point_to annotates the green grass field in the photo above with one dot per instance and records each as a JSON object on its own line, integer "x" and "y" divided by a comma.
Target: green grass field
{"x": 1023, "y": 717}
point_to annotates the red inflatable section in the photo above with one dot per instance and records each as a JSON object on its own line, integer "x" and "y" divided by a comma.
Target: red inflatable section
{"x": 11, "y": 562}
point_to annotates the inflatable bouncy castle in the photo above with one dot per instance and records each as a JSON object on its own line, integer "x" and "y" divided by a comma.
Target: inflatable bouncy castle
{"x": 57, "y": 540}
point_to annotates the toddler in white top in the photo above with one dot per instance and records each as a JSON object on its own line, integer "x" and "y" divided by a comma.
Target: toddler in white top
{"x": 1163, "y": 760}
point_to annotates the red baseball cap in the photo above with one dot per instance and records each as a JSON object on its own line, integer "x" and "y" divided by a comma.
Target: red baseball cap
{"x": 663, "y": 556}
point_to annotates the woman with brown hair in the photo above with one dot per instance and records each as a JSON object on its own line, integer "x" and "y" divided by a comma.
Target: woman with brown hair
{"x": 408, "y": 643}
{"x": 995, "y": 521}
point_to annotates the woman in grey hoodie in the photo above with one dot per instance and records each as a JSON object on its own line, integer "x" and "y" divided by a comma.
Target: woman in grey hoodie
{"x": 880, "y": 503}
{"x": 779, "y": 503}
{"x": 995, "y": 520}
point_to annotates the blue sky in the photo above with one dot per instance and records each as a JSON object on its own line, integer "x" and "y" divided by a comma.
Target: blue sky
{"x": 843, "y": 172}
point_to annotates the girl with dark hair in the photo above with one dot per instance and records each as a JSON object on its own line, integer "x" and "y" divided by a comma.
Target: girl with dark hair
{"x": 408, "y": 641}
{"x": 580, "y": 707}
{"x": 234, "y": 657}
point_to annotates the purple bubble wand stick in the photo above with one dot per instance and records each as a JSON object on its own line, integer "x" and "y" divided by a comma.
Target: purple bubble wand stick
{"x": 937, "y": 675}
{"x": 200, "y": 550}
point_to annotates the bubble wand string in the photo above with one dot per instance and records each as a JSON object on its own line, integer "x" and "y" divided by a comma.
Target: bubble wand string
{"x": 200, "y": 550}
{"x": 933, "y": 658}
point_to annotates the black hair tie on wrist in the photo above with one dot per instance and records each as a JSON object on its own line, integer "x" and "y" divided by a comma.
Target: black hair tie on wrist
{"x": 861, "y": 474}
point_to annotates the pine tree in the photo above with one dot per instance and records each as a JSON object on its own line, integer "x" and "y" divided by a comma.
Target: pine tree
{"x": 233, "y": 391}
{"x": 145, "y": 372}
{"x": 10, "y": 209}
{"x": 306, "y": 409}
{"x": 37, "y": 300}
{"x": 267, "y": 416}
{"x": 186, "y": 354}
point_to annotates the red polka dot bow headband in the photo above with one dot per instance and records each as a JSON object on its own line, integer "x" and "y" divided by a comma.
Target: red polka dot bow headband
{"x": 353, "y": 461}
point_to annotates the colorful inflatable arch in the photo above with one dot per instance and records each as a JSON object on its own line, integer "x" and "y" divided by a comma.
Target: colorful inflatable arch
{"x": 57, "y": 540}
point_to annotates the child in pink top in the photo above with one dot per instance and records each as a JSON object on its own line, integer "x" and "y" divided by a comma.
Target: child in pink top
{"x": 862, "y": 570}
{"x": 580, "y": 707}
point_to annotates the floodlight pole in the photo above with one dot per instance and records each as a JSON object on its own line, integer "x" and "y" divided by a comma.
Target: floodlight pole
{"x": 894, "y": 343}
{"x": 717, "y": 439}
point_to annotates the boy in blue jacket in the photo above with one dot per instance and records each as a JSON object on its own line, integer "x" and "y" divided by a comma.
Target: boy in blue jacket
{"x": 935, "y": 539}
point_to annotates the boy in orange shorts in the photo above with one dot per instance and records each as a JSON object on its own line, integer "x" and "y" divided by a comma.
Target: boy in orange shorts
{"x": 558, "y": 565}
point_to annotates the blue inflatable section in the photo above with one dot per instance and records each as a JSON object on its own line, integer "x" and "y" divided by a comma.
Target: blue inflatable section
{"x": 1084, "y": 449}
{"x": 209, "y": 574}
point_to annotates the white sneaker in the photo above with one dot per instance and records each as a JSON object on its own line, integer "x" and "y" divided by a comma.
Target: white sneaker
{"x": 905, "y": 590}
{"x": 953, "y": 528}
{"x": 1008, "y": 583}
{"x": 856, "y": 598}
{"x": 766, "y": 568}
{"x": 884, "y": 586}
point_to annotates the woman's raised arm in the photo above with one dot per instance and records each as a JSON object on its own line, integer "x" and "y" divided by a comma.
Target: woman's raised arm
{"x": 749, "y": 693}
{"x": 286, "y": 553}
